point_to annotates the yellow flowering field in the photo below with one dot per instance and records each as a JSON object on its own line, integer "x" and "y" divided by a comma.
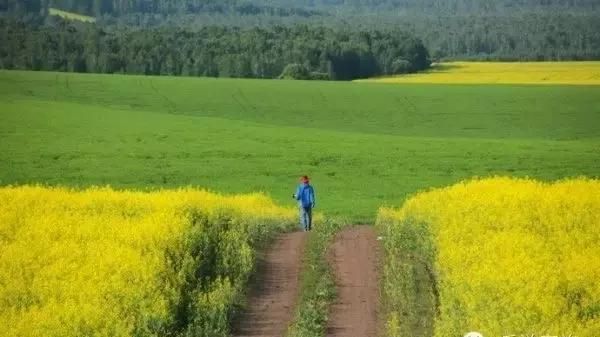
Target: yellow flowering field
{"x": 570, "y": 73}
{"x": 500, "y": 256}
{"x": 101, "y": 262}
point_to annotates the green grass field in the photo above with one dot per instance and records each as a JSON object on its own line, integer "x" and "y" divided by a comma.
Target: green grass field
{"x": 365, "y": 145}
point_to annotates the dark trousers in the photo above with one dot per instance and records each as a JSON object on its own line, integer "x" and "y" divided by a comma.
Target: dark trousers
{"x": 306, "y": 218}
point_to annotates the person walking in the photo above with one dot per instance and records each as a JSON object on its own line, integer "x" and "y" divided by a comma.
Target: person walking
{"x": 305, "y": 195}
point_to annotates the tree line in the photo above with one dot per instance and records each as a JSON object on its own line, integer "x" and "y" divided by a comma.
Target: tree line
{"x": 444, "y": 7}
{"x": 525, "y": 37}
{"x": 430, "y": 7}
{"x": 123, "y": 7}
{"x": 219, "y": 51}
{"x": 535, "y": 30}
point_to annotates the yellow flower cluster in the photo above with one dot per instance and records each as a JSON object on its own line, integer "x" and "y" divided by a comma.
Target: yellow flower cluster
{"x": 101, "y": 262}
{"x": 508, "y": 257}
{"x": 583, "y": 73}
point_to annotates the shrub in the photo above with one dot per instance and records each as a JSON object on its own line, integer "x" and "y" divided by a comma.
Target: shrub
{"x": 319, "y": 76}
{"x": 295, "y": 71}
{"x": 401, "y": 66}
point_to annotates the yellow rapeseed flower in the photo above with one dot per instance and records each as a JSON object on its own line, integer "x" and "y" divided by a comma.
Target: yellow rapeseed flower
{"x": 570, "y": 73}
{"x": 116, "y": 263}
{"x": 511, "y": 256}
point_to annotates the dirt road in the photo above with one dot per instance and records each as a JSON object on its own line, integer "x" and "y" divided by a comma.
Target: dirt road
{"x": 273, "y": 296}
{"x": 354, "y": 257}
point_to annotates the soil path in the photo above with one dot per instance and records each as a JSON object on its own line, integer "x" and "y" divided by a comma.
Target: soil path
{"x": 273, "y": 295}
{"x": 354, "y": 256}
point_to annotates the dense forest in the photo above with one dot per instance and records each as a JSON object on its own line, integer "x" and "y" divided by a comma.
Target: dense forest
{"x": 359, "y": 37}
{"x": 303, "y": 7}
{"x": 300, "y": 51}
{"x": 444, "y": 7}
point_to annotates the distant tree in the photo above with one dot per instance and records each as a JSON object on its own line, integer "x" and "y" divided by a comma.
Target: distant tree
{"x": 317, "y": 76}
{"x": 295, "y": 71}
{"x": 401, "y": 66}
{"x": 102, "y": 7}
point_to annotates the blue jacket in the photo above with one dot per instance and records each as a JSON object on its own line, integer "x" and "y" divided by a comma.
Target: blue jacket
{"x": 305, "y": 194}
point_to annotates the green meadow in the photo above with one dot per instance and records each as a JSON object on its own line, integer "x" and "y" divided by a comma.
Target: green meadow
{"x": 364, "y": 144}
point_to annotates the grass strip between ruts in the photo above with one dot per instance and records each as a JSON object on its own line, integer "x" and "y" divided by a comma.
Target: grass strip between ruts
{"x": 317, "y": 284}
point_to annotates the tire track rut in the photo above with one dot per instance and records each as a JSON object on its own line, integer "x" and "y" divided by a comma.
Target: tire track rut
{"x": 273, "y": 295}
{"x": 354, "y": 256}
